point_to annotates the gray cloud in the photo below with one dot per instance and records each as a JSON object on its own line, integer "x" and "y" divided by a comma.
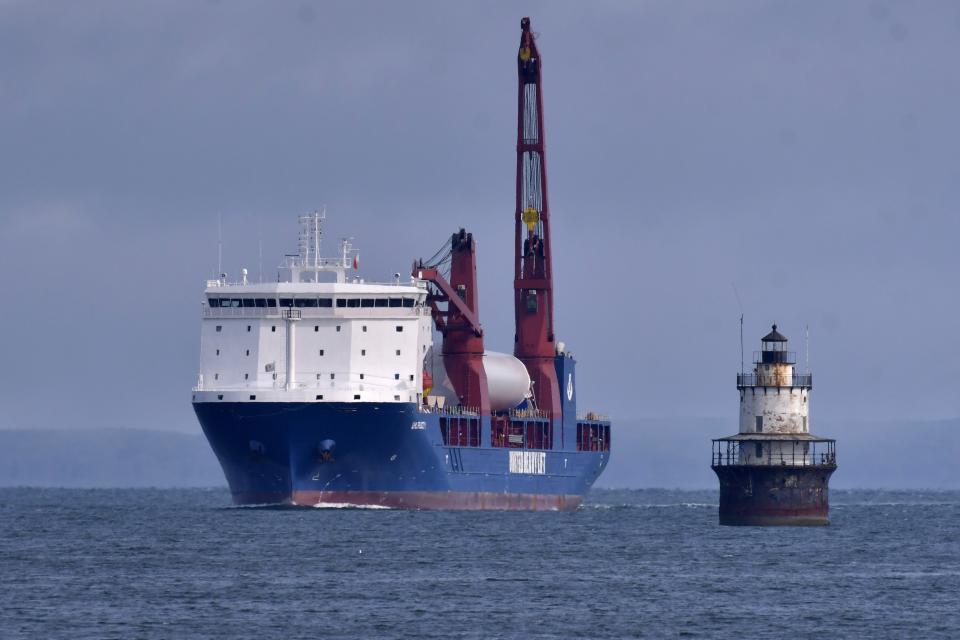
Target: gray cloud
{"x": 807, "y": 153}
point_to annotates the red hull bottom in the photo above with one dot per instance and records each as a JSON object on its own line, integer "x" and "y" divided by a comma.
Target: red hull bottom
{"x": 447, "y": 500}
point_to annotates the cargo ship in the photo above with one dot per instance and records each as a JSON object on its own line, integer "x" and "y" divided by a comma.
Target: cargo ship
{"x": 324, "y": 389}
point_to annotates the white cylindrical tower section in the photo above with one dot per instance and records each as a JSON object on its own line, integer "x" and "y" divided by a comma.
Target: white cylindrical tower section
{"x": 291, "y": 316}
{"x": 774, "y": 398}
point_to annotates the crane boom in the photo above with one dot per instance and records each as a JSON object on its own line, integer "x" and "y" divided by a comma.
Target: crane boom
{"x": 533, "y": 273}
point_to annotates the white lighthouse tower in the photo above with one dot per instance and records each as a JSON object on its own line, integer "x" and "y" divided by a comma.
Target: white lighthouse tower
{"x": 774, "y": 471}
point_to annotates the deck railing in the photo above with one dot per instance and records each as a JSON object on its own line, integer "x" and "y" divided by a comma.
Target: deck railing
{"x": 797, "y": 380}
{"x": 790, "y": 453}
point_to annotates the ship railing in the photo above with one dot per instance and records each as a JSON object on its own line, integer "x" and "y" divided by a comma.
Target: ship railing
{"x": 773, "y": 453}
{"x": 592, "y": 416}
{"x": 797, "y": 380}
{"x": 451, "y": 410}
{"x": 527, "y": 413}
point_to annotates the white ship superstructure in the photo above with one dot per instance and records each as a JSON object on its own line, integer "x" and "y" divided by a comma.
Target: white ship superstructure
{"x": 319, "y": 335}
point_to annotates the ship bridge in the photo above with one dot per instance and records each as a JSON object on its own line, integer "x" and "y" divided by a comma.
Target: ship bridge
{"x": 319, "y": 336}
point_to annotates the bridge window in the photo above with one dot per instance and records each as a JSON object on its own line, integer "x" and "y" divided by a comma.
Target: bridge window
{"x": 380, "y": 302}
{"x": 271, "y": 302}
{"x": 213, "y": 302}
{"x": 366, "y": 302}
{"x": 341, "y": 302}
{"x": 408, "y": 302}
{"x": 249, "y": 302}
{"x": 353, "y": 302}
{"x": 396, "y": 302}
{"x": 325, "y": 302}
{"x": 286, "y": 302}
{"x": 260, "y": 303}
{"x": 305, "y": 302}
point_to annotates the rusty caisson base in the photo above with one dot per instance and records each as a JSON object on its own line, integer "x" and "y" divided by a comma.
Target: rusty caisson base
{"x": 767, "y": 495}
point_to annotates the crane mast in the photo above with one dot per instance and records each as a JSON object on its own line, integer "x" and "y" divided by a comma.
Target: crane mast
{"x": 533, "y": 273}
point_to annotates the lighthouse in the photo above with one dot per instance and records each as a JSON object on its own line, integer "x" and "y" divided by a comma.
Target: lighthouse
{"x": 774, "y": 472}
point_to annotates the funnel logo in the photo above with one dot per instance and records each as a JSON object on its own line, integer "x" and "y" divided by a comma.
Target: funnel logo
{"x": 570, "y": 387}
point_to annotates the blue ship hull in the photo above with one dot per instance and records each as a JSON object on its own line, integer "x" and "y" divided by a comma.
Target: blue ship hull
{"x": 386, "y": 454}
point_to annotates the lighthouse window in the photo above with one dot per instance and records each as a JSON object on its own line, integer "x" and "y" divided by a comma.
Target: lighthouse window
{"x": 248, "y": 351}
{"x": 216, "y": 376}
{"x": 411, "y": 376}
{"x": 380, "y": 302}
{"x": 341, "y": 302}
{"x": 218, "y": 351}
{"x": 286, "y": 302}
{"x": 353, "y": 302}
{"x": 273, "y": 328}
{"x": 364, "y": 328}
{"x": 398, "y": 351}
{"x": 396, "y": 302}
{"x": 246, "y": 376}
{"x": 399, "y": 328}
{"x": 332, "y": 376}
{"x": 325, "y": 302}
{"x": 408, "y": 302}
{"x": 219, "y": 328}
{"x": 366, "y": 302}
{"x": 759, "y": 449}
{"x": 248, "y": 328}
{"x": 396, "y": 376}
{"x": 759, "y": 424}
{"x": 361, "y": 376}
{"x": 363, "y": 352}
{"x": 338, "y": 328}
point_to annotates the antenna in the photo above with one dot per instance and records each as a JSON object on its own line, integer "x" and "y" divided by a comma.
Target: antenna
{"x": 737, "y": 294}
{"x": 219, "y": 245}
{"x": 808, "y": 348}
{"x": 260, "y": 252}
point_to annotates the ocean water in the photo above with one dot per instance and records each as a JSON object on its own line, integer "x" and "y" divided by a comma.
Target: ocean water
{"x": 144, "y": 563}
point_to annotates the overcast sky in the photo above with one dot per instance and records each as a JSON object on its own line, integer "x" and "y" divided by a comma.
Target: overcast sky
{"x": 805, "y": 155}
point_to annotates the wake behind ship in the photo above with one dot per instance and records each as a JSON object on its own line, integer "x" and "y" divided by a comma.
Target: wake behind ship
{"x": 324, "y": 389}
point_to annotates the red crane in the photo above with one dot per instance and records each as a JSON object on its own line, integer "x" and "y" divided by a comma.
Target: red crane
{"x": 459, "y": 321}
{"x": 533, "y": 272}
